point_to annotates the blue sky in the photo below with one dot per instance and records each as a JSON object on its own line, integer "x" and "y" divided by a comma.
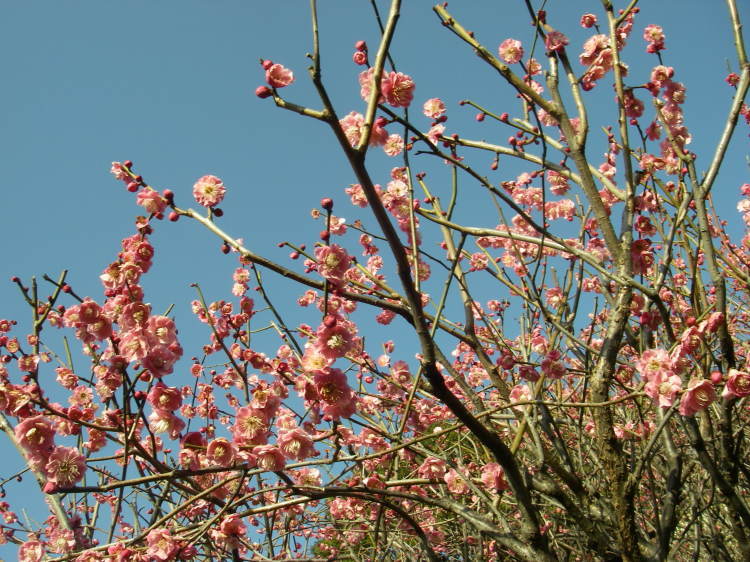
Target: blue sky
{"x": 170, "y": 86}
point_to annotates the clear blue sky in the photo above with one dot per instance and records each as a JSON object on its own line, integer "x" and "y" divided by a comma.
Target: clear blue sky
{"x": 169, "y": 85}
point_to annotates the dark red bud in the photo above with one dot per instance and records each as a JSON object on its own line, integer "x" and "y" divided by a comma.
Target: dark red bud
{"x": 132, "y": 187}
{"x": 325, "y": 235}
{"x": 360, "y": 46}
{"x": 128, "y": 164}
{"x": 326, "y": 203}
{"x": 218, "y": 212}
{"x": 174, "y": 217}
{"x": 266, "y": 64}
{"x": 263, "y": 92}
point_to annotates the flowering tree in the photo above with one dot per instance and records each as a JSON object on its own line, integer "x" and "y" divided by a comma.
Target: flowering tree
{"x": 578, "y": 386}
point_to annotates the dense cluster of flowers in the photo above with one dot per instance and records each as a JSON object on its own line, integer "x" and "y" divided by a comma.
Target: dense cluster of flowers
{"x": 622, "y": 353}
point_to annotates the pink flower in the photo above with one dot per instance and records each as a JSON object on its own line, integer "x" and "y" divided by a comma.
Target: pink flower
{"x": 333, "y": 261}
{"x": 552, "y": 366}
{"x": 365, "y": 84}
{"x": 36, "y": 435}
{"x": 65, "y": 466}
{"x": 151, "y": 201}
{"x": 698, "y": 396}
{"x": 555, "y": 41}
{"x": 455, "y": 482}
{"x": 220, "y": 452}
{"x": 296, "y": 444}
{"x": 493, "y": 477}
{"x": 654, "y": 363}
{"x": 250, "y": 426}
{"x": 119, "y": 172}
{"x": 338, "y": 398}
{"x": 510, "y": 51}
{"x": 165, "y": 398}
{"x": 435, "y": 133}
{"x": 229, "y": 533}
{"x": 278, "y": 77}
{"x": 359, "y": 58}
{"x": 165, "y": 422}
{"x": 334, "y": 342}
{"x": 31, "y": 551}
{"x": 432, "y": 468}
{"x": 394, "y": 145}
{"x": 134, "y": 316}
{"x": 161, "y": 545}
{"x": 558, "y": 184}
{"x": 663, "y": 389}
{"x": 269, "y": 457}
{"x": 737, "y": 384}
{"x": 209, "y": 191}
{"x": 397, "y": 88}
{"x": 433, "y": 108}
{"x": 352, "y": 126}
{"x": 588, "y": 20}
{"x": 654, "y": 35}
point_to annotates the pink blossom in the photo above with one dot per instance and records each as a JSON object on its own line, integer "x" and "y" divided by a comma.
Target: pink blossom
{"x": 332, "y": 262}
{"x": 397, "y": 88}
{"x": 159, "y": 360}
{"x": 641, "y": 255}
{"x": 455, "y": 482}
{"x": 359, "y": 58}
{"x": 654, "y": 363}
{"x": 654, "y": 35}
{"x": 338, "y": 399}
{"x": 552, "y": 365}
{"x": 699, "y": 395}
{"x": 737, "y": 384}
{"x": 352, "y": 126}
{"x": 118, "y": 170}
{"x": 555, "y": 41}
{"x": 558, "y": 182}
{"x": 209, "y": 191}
{"x": 165, "y": 398}
{"x": 151, "y": 201}
{"x": 161, "y": 421}
{"x": 511, "y": 51}
{"x": 278, "y": 77}
{"x": 365, "y": 84}
{"x": 335, "y": 341}
{"x": 394, "y": 145}
{"x": 660, "y": 74}
{"x": 379, "y": 136}
{"x": 296, "y": 444}
{"x": 588, "y": 20}
{"x": 663, "y": 389}
{"x": 269, "y": 457}
{"x": 435, "y": 133}
{"x": 161, "y": 545}
{"x": 31, "y": 551}
{"x": 65, "y": 466}
{"x": 250, "y": 426}
{"x": 134, "y": 316}
{"x": 230, "y": 532}
{"x": 36, "y": 435}
{"x": 493, "y": 477}
{"x": 432, "y": 469}
{"x": 433, "y": 108}
{"x": 220, "y": 452}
